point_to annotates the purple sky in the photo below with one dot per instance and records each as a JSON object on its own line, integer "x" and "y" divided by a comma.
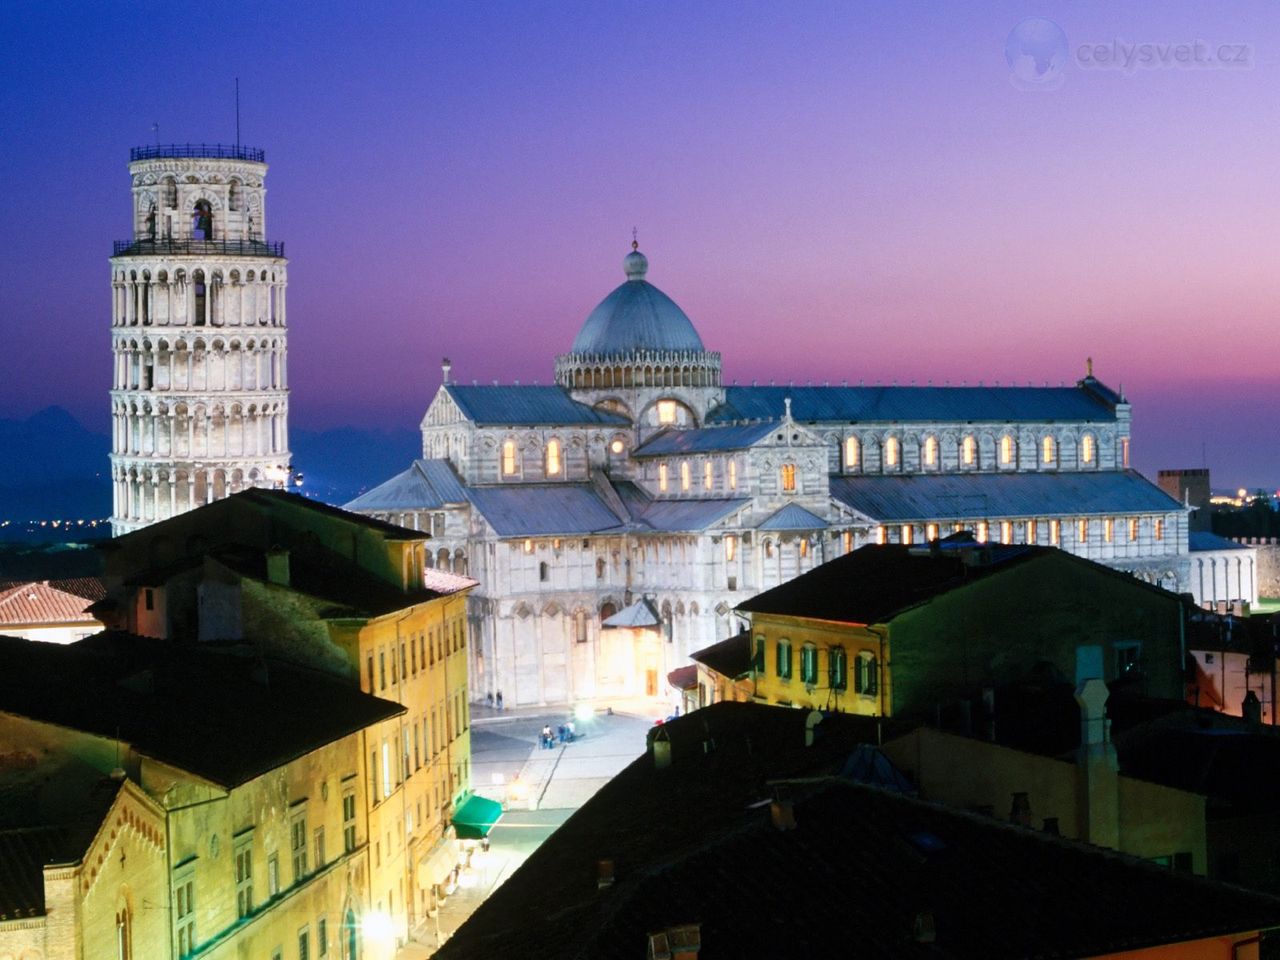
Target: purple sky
{"x": 831, "y": 192}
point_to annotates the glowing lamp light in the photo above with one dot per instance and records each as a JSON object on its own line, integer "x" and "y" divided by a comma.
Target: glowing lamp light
{"x": 583, "y": 712}
{"x": 497, "y": 779}
{"x": 519, "y": 790}
{"x": 379, "y": 926}
{"x": 1242, "y": 493}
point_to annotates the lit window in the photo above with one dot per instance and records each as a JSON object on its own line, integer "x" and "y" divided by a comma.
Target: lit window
{"x": 733, "y": 474}
{"x": 809, "y": 664}
{"x": 866, "y": 679}
{"x": 882, "y": 535}
{"x": 1082, "y": 531}
{"x": 617, "y": 446}
{"x": 851, "y": 453}
{"x": 1133, "y": 529}
{"x": 969, "y": 451}
{"x": 528, "y": 546}
{"x": 931, "y": 531}
{"x": 666, "y": 411}
{"x": 662, "y": 477}
{"x": 553, "y": 458}
{"x": 706, "y": 475}
{"x": 1049, "y": 450}
{"x": 1108, "y": 529}
{"x": 906, "y": 533}
{"x": 244, "y": 875}
{"x": 273, "y": 874}
{"x": 1006, "y": 449}
{"x": 984, "y": 531}
{"x": 768, "y": 549}
{"x": 789, "y": 477}
{"x": 1124, "y": 452}
{"x": 783, "y": 660}
{"x": 930, "y": 451}
{"x": 1086, "y": 448}
{"x": 730, "y": 547}
{"x": 349, "y": 819}
{"x": 185, "y": 912}
{"x": 684, "y": 475}
{"x": 847, "y": 538}
{"x": 1031, "y": 531}
{"x": 1158, "y": 531}
{"x": 1006, "y": 531}
{"x": 1055, "y": 532}
{"x": 508, "y": 458}
{"x": 891, "y": 452}
{"x": 838, "y": 668}
{"x": 804, "y": 547}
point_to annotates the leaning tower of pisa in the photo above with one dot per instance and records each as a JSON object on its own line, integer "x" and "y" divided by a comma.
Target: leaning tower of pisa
{"x": 199, "y": 396}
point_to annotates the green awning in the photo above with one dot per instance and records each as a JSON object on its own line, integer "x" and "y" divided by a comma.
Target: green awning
{"x": 476, "y": 817}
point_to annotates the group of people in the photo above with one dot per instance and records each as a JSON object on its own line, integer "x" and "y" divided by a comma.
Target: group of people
{"x": 565, "y": 733}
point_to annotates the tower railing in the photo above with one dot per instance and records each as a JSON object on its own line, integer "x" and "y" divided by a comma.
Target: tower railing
{"x": 181, "y": 245}
{"x": 203, "y": 151}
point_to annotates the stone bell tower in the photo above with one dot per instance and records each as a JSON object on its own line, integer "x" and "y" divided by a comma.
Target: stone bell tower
{"x": 199, "y": 396}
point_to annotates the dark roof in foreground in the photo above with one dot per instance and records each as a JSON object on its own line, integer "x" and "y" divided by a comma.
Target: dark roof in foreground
{"x": 863, "y": 869}
{"x": 199, "y": 709}
{"x": 730, "y": 658}
{"x": 875, "y": 583}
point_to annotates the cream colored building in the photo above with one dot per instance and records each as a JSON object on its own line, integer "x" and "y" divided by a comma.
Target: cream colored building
{"x": 193, "y": 803}
{"x": 56, "y": 611}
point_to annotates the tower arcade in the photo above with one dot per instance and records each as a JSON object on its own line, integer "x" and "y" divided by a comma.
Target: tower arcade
{"x": 199, "y": 394}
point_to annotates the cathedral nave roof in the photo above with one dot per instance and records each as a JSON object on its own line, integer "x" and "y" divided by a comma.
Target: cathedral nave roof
{"x": 936, "y": 404}
{"x": 525, "y": 405}
{"x": 992, "y": 496}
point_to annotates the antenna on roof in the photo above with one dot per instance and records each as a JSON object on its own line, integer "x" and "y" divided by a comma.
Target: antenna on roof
{"x": 635, "y": 239}
{"x": 1088, "y": 366}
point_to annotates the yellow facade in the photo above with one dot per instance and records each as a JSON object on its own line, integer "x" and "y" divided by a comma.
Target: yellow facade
{"x": 418, "y": 765}
{"x": 815, "y": 664}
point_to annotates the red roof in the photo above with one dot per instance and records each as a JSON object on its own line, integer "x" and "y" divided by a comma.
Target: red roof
{"x": 42, "y": 601}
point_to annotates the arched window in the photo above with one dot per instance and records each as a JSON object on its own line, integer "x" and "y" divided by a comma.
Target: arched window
{"x": 730, "y": 547}
{"x": 707, "y": 475}
{"x": 607, "y": 610}
{"x": 783, "y": 659}
{"x": 788, "y": 477}
{"x": 684, "y": 474}
{"x": 553, "y": 458}
{"x": 733, "y": 474}
{"x": 662, "y": 477}
{"x": 851, "y": 452}
{"x": 969, "y": 451}
{"x": 508, "y": 458}
{"x": 838, "y": 668}
{"x": 202, "y": 220}
{"x": 931, "y": 451}
{"x": 1008, "y": 450}
{"x": 891, "y": 451}
{"x": 544, "y": 571}
{"x": 1088, "y": 453}
{"x": 234, "y": 195}
{"x": 124, "y": 934}
{"x": 666, "y": 412}
{"x": 1048, "y": 450}
{"x": 866, "y": 677}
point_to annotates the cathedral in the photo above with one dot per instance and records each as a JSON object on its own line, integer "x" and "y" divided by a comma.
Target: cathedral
{"x": 615, "y": 519}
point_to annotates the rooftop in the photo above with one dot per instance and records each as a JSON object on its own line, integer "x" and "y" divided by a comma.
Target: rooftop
{"x": 48, "y": 601}
{"x": 201, "y": 151}
{"x": 694, "y": 844}
{"x": 222, "y": 717}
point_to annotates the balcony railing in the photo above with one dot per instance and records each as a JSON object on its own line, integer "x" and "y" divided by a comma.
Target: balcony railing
{"x": 166, "y": 245}
{"x": 212, "y": 151}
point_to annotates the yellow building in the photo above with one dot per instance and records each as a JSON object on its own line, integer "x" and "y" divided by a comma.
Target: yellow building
{"x": 893, "y": 630}
{"x": 352, "y": 596}
{"x": 221, "y": 797}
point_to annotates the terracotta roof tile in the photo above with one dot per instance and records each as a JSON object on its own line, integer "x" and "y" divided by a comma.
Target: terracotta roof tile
{"x": 39, "y": 601}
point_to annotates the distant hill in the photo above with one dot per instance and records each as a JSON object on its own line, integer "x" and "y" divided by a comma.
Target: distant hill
{"x": 59, "y": 470}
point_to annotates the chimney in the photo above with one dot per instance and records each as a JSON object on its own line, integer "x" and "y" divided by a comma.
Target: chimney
{"x": 810, "y": 725}
{"x": 661, "y": 749}
{"x": 1020, "y": 811}
{"x": 782, "y": 814}
{"x": 1098, "y": 787}
{"x": 445, "y": 367}
{"x": 1251, "y": 709}
{"x": 604, "y": 874}
{"x": 278, "y": 566}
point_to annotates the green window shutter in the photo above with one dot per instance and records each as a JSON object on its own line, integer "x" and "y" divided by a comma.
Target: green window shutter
{"x": 757, "y": 662}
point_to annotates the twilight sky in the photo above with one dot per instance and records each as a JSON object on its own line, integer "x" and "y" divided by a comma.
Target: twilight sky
{"x": 830, "y": 191}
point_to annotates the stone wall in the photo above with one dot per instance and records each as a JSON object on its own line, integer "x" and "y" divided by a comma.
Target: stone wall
{"x": 1268, "y": 563}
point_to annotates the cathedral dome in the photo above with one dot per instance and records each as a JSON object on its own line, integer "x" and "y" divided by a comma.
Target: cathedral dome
{"x": 637, "y": 316}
